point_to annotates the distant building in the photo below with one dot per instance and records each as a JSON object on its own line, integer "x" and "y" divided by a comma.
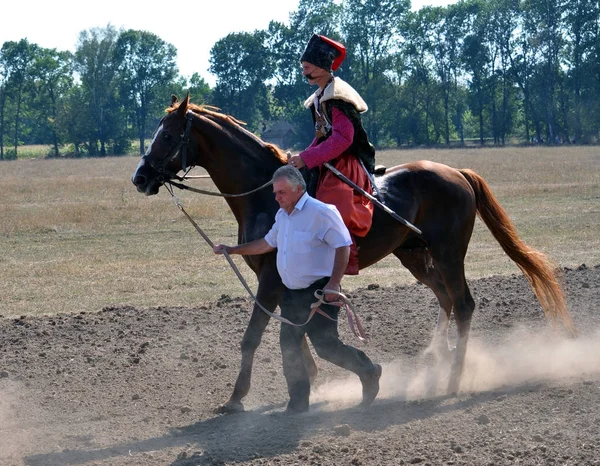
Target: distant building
{"x": 281, "y": 133}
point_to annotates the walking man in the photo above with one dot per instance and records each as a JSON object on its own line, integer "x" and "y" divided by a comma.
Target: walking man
{"x": 313, "y": 247}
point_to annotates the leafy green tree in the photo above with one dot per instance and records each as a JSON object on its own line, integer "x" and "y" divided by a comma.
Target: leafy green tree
{"x": 4, "y": 74}
{"x": 419, "y": 87}
{"x": 53, "y": 75}
{"x": 502, "y": 26}
{"x": 442, "y": 56}
{"x": 146, "y": 64}
{"x": 522, "y": 68}
{"x": 449, "y": 37}
{"x": 476, "y": 59}
{"x": 243, "y": 65}
{"x": 543, "y": 24}
{"x": 200, "y": 89}
{"x": 94, "y": 62}
{"x": 371, "y": 32}
{"x": 581, "y": 35}
{"x": 75, "y": 121}
{"x": 15, "y": 61}
{"x": 591, "y": 94}
{"x": 286, "y": 44}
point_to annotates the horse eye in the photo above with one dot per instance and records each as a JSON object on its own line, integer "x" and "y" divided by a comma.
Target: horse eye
{"x": 166, "y": 137}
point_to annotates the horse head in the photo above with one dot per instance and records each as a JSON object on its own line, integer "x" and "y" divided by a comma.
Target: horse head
{"x": 167, "y": 153}
{"x": 191, "y": 135}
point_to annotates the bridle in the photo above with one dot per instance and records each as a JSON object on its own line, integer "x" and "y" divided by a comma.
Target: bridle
{"x": 182, "y": 145}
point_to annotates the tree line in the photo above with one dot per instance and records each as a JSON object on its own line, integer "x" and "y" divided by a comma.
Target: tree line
{"x": 489, "y": 71}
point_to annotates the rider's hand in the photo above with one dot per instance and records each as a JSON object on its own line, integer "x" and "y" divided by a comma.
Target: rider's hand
{"x": 296, "y": 161}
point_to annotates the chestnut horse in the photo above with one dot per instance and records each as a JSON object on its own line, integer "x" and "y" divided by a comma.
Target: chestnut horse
{"x": 441, "y": 201}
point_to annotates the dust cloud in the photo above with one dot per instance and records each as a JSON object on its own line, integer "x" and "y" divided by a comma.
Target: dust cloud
{"x": 522, "y": 357}
{"x": 12, "y": 435}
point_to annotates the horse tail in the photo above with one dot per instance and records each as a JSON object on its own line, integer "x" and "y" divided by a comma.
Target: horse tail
{"x": 539, "y": 270}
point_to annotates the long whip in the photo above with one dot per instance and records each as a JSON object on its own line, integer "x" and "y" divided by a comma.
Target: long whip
{"x": 375, "y": 201}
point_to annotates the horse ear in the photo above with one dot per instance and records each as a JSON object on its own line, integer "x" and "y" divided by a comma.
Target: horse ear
{"x": 174, "y": 100}
{"x": 182, "y": 109}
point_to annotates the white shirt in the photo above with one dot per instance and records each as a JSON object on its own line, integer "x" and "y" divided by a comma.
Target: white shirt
{"x": 306, "y": 241}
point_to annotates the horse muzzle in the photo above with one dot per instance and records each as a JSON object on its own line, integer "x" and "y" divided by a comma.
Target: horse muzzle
{"x": 146, "y": 179}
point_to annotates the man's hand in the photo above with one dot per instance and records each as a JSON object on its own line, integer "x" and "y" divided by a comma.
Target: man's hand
{"x": 258, "y": 246}
{"x": 220, "y": 249}
{"x": 334, "y": 286}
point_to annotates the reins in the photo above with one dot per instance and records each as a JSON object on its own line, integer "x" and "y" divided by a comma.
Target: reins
{"x": 212, "y": 193}
{"x": 353, "y": 321}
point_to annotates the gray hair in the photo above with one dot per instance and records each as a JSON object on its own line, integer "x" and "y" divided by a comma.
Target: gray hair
{"x": 292, "y": 175}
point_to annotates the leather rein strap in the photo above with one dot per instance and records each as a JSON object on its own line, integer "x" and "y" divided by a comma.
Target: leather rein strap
{"x": 211, "y": 193}
{"x": 353, "y": 320}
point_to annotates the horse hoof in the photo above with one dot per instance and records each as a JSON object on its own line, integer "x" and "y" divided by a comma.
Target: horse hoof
{"x": 453, "y": 386}
{"x": 231, "y": 407}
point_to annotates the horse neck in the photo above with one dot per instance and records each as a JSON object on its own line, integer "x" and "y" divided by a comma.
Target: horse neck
{"x": 243, "y": 174}
{"x": 235, "y": 159}
{"x": 237, "y": 169}
{"x": 237, "y": 164}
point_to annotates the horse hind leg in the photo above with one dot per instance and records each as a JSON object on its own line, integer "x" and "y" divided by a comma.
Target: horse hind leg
{"x": 419, "y": 263}
{"x": 437, "y": 355}
{"x": 463, "y": 305}
{"x": 447, "y": 280}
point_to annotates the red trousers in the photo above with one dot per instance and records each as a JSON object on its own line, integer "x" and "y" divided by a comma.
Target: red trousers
{"x": 356, "y": 210}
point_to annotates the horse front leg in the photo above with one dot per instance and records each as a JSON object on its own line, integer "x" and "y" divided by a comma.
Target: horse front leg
{"x": 268, "y": 295}
{"x": 309, "y": 361}
{"x": 250, "y": 342}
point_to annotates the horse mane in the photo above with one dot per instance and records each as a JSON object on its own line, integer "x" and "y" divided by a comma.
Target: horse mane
{"x": 233, "y": 122}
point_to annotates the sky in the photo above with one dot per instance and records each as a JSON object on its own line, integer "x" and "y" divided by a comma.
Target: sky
{"x": 192, "y": 27}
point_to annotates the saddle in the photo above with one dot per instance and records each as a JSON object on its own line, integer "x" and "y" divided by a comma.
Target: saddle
{"x": 311, "y": 177}
{"x": 379, "y": 170}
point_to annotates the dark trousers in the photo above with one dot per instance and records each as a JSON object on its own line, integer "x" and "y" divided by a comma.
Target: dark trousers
{"x": 323, "y": 334}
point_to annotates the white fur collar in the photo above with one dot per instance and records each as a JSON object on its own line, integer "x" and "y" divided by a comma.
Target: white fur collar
{"x": 339, "y": 89}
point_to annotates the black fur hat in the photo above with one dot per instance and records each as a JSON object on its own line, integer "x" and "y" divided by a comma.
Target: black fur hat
{"x": 324, "y": 53}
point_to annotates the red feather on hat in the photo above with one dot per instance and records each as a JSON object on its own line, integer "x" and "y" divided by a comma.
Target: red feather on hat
{"x": 339, "y": 47}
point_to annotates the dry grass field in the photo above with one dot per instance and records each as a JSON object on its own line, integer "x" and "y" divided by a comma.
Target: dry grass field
{"x": 76, "y": 236}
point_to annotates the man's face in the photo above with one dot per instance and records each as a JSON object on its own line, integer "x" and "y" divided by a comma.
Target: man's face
{"x": 285, "y": 195}
{"x": 312, "y": 72}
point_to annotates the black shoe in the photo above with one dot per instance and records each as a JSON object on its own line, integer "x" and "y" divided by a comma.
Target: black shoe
{"x": 370, "y": 386}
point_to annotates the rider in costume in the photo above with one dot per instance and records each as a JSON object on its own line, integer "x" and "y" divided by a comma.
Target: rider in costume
{"x": 340, "y": 139}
